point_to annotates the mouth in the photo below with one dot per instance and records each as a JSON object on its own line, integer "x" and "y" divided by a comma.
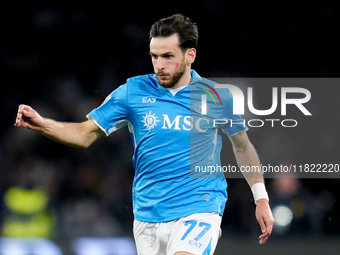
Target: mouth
{"x": 162, "y": 76}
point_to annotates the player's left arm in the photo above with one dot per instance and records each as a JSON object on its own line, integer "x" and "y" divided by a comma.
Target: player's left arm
{"x": 246, "y": 155}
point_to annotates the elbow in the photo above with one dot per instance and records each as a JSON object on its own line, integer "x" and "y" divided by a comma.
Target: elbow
{"x": 81, "y": 145}
{"x": 84, "y": 145}
{"x": 243, "y": 148}
{"x": 86, "y": 140}
{"x": 239, "y": 149}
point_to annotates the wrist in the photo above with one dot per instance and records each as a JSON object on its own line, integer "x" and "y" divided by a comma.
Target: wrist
{"x": 42, "y": 125}
{"x": 259, "y": 192}
{"x": 262, "y": 201}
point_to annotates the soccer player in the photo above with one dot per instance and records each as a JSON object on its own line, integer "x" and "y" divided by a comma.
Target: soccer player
{"x": 175, "y": 211}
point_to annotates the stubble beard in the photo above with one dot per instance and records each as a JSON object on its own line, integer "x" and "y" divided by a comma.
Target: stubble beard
{"x": 172, "y": 80}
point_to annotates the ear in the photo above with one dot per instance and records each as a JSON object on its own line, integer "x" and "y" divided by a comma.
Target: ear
{"x": 190, "y": 56}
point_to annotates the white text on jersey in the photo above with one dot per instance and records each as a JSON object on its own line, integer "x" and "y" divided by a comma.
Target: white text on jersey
{"x": 148, "y": 100}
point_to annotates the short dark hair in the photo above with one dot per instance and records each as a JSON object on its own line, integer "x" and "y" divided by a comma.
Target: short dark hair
{"x": 177, "y": 24}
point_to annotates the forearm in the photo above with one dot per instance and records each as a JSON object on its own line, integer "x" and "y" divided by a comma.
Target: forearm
{"x": 71, "y": 134}
{"x": 247, "y": 158}
{"x": 80, "y": 135}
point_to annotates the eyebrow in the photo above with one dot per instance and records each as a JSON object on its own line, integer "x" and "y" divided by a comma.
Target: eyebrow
{"x": 163, "y": 54}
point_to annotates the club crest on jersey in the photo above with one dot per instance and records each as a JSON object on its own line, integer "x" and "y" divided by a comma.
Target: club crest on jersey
{"x": 150, "y": 121}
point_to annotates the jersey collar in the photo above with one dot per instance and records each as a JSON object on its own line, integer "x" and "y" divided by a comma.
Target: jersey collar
{"x": 195, "y": 77}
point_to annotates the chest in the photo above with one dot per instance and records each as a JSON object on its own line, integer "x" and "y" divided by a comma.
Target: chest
{"x": 166, "y": 117}
{"x": 161, "y": 113}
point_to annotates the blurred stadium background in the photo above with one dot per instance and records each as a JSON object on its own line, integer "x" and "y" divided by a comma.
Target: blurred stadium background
{"x": 65, "y": 59}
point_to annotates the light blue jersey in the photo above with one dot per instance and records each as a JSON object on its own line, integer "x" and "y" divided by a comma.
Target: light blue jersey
{"x": 171, "y": 136}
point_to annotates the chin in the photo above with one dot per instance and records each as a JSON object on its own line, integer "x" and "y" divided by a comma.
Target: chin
{"x": 166, "y": 84}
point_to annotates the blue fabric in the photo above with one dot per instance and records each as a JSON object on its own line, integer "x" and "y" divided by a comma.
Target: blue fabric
{"x": 168, "y": 141}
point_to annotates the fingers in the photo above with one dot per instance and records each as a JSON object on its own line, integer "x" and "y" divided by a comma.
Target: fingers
{"x": 265, "y": 234}
{"x": 23, "y": 111}
{"x": 19, "y": 116}
{"x": 18, "y": 120}
{"x": 264, "y": 237}
{"x": 270, "y": 226}
{"x": 262, "y": 224}
{"x": 267, "y": 228}
{"x": 263, "y": 240}
{"x": 265, "y": 220}
{"x": 27, "y": 111}
{"x": 21, "y": 107}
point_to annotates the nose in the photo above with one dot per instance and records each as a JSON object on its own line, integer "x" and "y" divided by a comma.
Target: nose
{"x": 160, "y": 64}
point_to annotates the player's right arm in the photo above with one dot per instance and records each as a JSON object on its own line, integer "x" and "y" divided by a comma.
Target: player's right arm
{"x": 80, "y": 135}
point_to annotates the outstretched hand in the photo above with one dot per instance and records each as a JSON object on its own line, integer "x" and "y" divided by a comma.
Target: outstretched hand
{"x": 27, "y": 117}
{"x": 265, "y": 218}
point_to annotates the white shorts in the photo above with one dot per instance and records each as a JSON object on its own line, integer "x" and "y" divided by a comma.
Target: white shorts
{"x": 196, "y": 233}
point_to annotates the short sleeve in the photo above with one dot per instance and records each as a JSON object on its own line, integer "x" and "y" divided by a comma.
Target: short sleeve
{"x": 235, "y": 123}
{"x": 111, "y": 115}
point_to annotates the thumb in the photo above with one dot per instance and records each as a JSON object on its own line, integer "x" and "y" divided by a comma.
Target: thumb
{"x": 28, "y": 112}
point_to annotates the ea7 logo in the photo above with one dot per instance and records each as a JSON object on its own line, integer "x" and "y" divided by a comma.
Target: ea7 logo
{"x": 148, "y": 100}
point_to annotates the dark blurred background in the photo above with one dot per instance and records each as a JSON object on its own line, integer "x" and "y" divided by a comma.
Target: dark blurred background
{"x": 64, "y": 59}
